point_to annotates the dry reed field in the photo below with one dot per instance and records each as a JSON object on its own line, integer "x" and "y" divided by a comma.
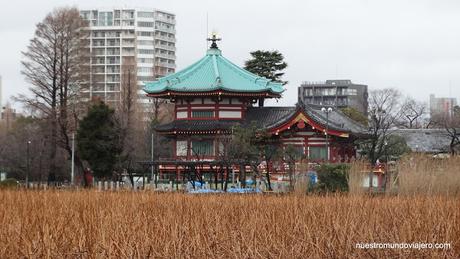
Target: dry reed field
{"x": 91, "y": 224}
{"x": 421, "y": 174}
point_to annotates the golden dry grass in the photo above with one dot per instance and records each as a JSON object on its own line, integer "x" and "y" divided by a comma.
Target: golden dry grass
{"x": 90, "y": 224}
{"x": 423, "y": 174}
{"x": 358, "y": 171}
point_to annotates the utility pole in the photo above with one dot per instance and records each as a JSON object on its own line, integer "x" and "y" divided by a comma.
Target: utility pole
{"x": 72, "y": 170}
{"x": 327, "y": 111}
{"x": 28, "y": 164}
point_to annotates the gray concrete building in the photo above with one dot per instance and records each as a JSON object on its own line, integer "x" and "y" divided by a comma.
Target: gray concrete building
{"x": 335, "y": 93}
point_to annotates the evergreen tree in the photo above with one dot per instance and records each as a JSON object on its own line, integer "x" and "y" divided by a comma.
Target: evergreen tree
{"x": 98, "y": 140}
{"x": 355, "y": 115}
{"x": 268, "y": 64}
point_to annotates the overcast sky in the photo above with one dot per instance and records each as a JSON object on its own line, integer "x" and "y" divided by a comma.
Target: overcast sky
{"x": 410, "y": 45}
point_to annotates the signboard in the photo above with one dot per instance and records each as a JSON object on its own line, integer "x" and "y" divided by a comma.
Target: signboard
{"x": 2, "y": 176}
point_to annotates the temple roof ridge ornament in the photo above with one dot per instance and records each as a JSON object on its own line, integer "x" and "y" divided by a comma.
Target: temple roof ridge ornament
{"x": 214, "y": 40}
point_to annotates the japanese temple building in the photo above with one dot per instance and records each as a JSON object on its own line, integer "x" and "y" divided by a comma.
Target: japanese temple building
{"x": 213, "y": 95}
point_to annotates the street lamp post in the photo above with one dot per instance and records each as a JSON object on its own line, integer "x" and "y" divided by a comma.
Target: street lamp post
{"x": 385, "y": 144}
{"x": 386, "y": 166}
{"x": 327, "y": 111}
{"x": 28, "y": 163}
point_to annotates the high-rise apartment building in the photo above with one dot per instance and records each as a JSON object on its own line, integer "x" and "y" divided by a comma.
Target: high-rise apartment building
{"x": 126, "y": 39}
{"x": 1, "y": 106}
{"x": 335, "y": 93}
{"x": 441, "y": 106}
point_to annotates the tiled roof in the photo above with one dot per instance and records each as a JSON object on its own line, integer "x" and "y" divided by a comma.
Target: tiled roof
{"x": 337, "y": 119}
{"x": 213, "y": 72}
{"x": 425, "y": 140}
{"x": 268, "y": 118}
{"x": 197, "y": 125}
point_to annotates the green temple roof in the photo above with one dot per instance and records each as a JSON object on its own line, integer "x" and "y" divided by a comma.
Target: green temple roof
{"x": 213, "y": 73}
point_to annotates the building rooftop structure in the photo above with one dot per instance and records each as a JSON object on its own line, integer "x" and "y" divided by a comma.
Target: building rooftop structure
{"x": 341, "y": 93}
{"x": 213, "y": 73}
{"x": 269, "y": 118}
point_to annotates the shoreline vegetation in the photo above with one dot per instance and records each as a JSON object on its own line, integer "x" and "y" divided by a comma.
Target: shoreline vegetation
{"x": 88, "y": 223}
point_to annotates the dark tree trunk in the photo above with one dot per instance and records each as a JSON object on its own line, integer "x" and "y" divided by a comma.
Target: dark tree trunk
{"x": 216, "y": 178}
{"x": 243, "y": 175}
{"x": 267, "y": 175}
{"x": 226, "y": 178}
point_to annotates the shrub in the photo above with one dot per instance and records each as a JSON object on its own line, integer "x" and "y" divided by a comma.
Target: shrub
{"x": 9, "y": 183}
{"x": 332, "y": 178}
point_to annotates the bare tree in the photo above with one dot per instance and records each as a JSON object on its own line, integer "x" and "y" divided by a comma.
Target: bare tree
{"x": 56, "y": 65}
{"x": 451, "y": 123}
{"x": 412, "y": 113}
{"x": 135, "y": 119}
{"x": 128, "y": 116}
{"x": 26, "y": 133}
{"x": 384, "y": 112}
{"x": 453, "y": 132}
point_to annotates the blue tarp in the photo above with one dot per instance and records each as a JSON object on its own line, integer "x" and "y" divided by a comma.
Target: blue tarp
{"x": 231, "y": 190}
{"x": 244, "y": 190}
{"x": 250, "y": 182}
{"x": 205, "y": 191}
{"x": 198, "y": 184}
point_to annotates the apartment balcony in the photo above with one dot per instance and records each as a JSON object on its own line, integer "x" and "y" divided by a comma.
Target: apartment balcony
{"x": 98, "y": 61}
{"x": 112, "y": 82}
{"x": 165, "y": 55}
{"x": 113, "y": 62}
{"x": 128, "y": 44}
{"x": 99, "y": 53}
{"x": 128, "y": 53}
{"x": 114, "y": 71}
{"x": 128, "y": 35}
{"x": 165, "y": 29}
{"x": 165, "y": 64}
{"x": 112, "y": 34}
{"x": 165, "y": 19}
{"x": 165, "y": 38}
{"x": 113, "y": 53}
{"x": 165, "y": 47}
